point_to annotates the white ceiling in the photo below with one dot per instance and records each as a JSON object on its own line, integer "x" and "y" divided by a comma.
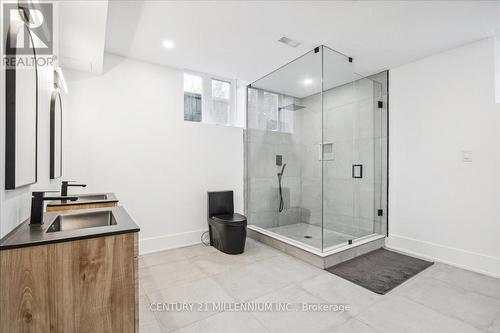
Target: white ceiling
{"x": 238, "y": 39}
{"x": 82, "y": 31}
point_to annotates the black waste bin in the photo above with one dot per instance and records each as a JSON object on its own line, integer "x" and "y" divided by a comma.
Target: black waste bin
{"x": 227, "y": 229}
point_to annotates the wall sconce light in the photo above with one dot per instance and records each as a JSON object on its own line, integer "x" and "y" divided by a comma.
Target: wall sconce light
{"x": 59, "y": 81}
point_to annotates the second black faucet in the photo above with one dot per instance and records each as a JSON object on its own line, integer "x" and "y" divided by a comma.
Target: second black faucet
{"x": 66, "y": 183}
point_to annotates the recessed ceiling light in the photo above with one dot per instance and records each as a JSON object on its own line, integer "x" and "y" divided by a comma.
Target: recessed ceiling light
{"x": 168, "y": 44}
{"x": 288, "y": 41}
{"x": 308, "y": 82}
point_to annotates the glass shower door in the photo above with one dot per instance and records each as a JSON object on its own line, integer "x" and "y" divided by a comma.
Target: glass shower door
{"x": 364, "y": 164}
{"x": 348, "y": 149}
{"x": 370, "y": 152}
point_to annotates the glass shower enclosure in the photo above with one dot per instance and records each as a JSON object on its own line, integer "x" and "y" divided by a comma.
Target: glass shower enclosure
{"x": 316, "y": 153}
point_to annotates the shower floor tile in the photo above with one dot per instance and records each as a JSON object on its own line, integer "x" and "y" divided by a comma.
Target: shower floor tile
{"x": 311, "y": 234}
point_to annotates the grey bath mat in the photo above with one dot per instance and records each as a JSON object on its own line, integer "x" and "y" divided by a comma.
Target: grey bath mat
{"x": 380, "y": 270}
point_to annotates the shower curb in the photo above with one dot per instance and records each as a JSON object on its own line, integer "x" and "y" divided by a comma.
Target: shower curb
{"x": 320, "y": 261}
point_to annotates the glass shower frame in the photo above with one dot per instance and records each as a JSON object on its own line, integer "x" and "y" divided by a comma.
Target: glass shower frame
{"x": 373, "y": 223}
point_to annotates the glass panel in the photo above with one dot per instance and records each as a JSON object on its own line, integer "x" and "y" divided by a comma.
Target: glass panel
{"x": 193, "y": 83}
{"x": 380, "y": 152}
{"x": 348, "y": 171}
{"x": 221, "y": 89}
{"x": 221, "y": 101}
{"x": 353, "y": 178}
{"x": 283, "y": 164}
{"x": 193, "y": 91}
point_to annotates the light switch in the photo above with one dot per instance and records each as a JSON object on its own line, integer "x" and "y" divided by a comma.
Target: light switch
{"x": 466, "y": 155}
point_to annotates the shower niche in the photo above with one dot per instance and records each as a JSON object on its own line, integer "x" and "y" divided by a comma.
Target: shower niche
{"x": 325, "y": 121}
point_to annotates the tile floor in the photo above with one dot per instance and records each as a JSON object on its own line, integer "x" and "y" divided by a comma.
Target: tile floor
{"x": 440, "y": 299}
{"x": 297, "y": 231}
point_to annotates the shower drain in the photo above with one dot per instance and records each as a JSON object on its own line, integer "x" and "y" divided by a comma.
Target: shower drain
{"x": 307, "y": 236}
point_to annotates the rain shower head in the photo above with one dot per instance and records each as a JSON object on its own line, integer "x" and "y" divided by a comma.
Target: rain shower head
{"x": 291, "y": 107}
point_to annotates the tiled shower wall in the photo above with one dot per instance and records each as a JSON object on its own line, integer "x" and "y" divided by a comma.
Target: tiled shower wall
{"x": 355, "y": 126}
{"x": 263, "y": 181}
{"x": 268, "y": 136}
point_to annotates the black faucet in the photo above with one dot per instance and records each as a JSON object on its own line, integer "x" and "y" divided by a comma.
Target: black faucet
{"x": 65, "y": 184}
{"x": 37, "y": 205}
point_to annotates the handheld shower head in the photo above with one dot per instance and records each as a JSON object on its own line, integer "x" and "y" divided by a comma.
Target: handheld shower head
{"x": 282, "y": 203}
{"x": 280, "y": 174}
{"x": 283, "y": 169}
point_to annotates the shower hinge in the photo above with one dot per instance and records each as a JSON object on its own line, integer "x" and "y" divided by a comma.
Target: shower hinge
{"x": 380, "y": 212}
{"x": 350, "y": 59}
{"x": 316, "y": 49}
{"x": 380, "y": 104}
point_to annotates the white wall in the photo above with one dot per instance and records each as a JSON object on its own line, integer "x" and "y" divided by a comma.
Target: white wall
{"x": 497, "y": 68}
{"x": 125, "y": 133}
{"x": 15, "y": 204}
{"x": 441, "y": 207}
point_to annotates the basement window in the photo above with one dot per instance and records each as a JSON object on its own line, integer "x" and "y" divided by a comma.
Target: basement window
{"x": 209, "y": 99}
{"x": 193, "y": 97}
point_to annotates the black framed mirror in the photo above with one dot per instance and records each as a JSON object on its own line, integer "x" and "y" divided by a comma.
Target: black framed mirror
{"x": 21, "y": 78}
{"x": 56, "y": 108}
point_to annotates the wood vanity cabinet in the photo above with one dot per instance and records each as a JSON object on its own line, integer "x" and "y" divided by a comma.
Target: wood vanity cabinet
{"x": 88, "y": 285}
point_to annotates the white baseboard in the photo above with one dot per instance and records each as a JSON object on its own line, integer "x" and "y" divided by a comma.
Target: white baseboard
{"x": 475, "y": 262}
{"x": 172, "y": 241}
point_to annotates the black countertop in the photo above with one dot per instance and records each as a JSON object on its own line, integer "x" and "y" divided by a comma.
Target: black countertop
{"x": 27, "y": 235}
